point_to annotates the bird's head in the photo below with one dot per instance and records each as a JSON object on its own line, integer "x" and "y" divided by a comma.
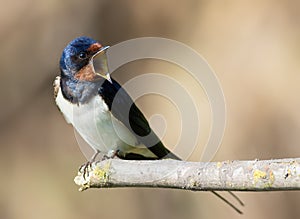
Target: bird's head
{"x": 77, "y": 58}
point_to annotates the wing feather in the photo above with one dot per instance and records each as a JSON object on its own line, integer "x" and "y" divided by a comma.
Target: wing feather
{"x": 124, "y": 109}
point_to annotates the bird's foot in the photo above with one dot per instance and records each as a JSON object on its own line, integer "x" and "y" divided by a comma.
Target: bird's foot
{"x": 86, "y": 167}
{"x": 111, "y": 154}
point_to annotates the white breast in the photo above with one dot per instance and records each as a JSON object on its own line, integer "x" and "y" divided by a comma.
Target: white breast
{"x": 94, "y": 122}
{"x": 97, "y": 126}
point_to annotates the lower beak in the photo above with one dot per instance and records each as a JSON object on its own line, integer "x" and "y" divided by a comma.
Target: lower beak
{"x": 107, "y": 77}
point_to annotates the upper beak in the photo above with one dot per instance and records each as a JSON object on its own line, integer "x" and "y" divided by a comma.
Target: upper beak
{"x": 97, "y": 48}
{"x": 102, "y": 49}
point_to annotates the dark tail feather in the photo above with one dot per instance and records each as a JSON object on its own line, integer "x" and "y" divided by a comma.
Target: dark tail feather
{"x": 175, "y": 157}
{"x": 236, "y": 198}
{"x": 228, "y": 202}
{"x": 163, "y": 153}
{"x": 170, "y": 155}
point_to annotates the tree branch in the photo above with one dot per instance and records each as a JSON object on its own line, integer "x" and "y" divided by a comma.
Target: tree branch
{"x": 264, "y": 175}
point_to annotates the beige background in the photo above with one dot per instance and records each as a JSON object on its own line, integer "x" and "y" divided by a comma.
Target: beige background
{"x": 252, "y": 46}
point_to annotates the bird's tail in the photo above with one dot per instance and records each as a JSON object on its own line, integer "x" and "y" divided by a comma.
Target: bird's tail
{"x": 171, "y": 155}
{"x": 175, "y": 157}
{"x": 162, "y": 152}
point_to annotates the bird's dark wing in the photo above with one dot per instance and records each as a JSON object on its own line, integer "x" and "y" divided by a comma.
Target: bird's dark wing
{"x": 123, "y": 108}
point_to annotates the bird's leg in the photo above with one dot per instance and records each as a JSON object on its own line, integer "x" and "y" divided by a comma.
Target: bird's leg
{"x": 94, "y": 156}
{"x": 85, "y": 167}
{"x": 111, "y": 154}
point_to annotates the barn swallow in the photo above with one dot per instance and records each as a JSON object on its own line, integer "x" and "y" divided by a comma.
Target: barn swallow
{"x": 101, "y": 111}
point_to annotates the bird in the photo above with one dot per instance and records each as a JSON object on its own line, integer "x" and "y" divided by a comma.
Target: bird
{"x": 101, "y": 110}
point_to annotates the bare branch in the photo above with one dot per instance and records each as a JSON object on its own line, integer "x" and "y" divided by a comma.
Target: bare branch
{"x": 264, "y": 175}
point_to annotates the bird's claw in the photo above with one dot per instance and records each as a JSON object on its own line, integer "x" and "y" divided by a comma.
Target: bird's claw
{"x": 84, "y": 169}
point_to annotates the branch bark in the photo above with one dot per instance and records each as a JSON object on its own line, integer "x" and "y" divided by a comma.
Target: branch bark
{"x": 256, "y": 175}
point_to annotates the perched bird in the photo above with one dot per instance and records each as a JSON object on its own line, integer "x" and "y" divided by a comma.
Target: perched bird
{"x": 101, "y": 111}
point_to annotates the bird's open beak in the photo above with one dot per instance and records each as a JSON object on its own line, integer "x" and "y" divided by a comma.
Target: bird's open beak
{"x": 100, "y": 61}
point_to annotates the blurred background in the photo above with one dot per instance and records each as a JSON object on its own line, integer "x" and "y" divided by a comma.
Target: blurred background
{"x": 253, "y": 47}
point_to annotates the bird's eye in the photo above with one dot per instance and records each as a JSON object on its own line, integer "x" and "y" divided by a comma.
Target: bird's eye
{"x": 82, "y": 55}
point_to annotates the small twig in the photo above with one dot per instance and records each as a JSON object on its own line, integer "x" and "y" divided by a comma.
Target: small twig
{"x": 264, "y": 175}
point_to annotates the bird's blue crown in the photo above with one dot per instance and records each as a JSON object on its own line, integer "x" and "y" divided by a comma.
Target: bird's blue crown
{"x": 76, "y": 46}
